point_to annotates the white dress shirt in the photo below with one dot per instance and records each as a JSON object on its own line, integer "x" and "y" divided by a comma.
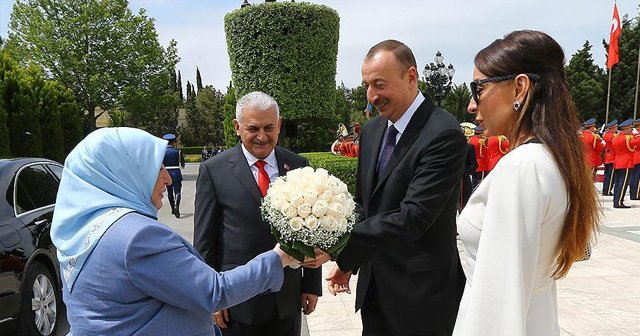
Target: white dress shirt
{"x": 402, "y": 122}
{"x": 271, "y": 167}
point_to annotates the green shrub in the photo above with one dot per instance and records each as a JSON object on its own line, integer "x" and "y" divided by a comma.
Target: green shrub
{"x": 341, "y": 167}
{"x": 289, "y": 51}
{"x": 191, "y": 150}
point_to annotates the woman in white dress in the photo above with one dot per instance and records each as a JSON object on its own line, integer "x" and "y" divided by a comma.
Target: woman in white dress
{"x": 533, "y": 216}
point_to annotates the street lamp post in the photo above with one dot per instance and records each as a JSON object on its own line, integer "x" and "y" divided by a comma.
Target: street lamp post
{"x": 438, "y": 77}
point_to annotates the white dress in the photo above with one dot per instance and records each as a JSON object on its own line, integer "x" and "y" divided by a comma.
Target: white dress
{"x": 510, "y": 229}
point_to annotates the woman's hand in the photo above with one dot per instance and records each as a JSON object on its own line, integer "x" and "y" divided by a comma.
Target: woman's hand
{"x": 286, "y": 259}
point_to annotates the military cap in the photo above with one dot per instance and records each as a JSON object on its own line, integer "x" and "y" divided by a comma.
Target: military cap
{"x": 626, "y": 123}
{"x": 589, "y": 122}
{"x": 169, "y": 136}
{"x": 612, "y": 123}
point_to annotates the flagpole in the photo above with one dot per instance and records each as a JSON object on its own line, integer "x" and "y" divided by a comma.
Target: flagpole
{"x": 606, "y": 118}
{"x": 635, "y": 107}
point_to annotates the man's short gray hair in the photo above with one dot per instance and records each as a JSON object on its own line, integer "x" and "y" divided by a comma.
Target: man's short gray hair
{"x": 257, "y": 100}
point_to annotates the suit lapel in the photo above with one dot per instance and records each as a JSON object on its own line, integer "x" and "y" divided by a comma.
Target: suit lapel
{"x": 283, "y": 163}
{"x": 411, "y": 133}
{"x": 241, "y": 171}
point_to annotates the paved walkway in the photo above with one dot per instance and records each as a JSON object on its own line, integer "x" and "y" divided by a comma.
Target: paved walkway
{"x": 600, "y": 296}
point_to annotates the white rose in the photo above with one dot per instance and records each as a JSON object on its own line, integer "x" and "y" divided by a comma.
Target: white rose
{"x": 295, "y": 198}
{"x": 320, "y": 188}
{"x": 307, "y": 173}
{"x": 310, "y": 196}
{"x": 311, "y": 222}
{"x": 296, "y": 223}
{"x": 278, "y": 184}
{"x": 336, "y": 210}
{"x": 288, "y": 210}
{"x": 323, "y": 173}
{"x": 342, "y": 187}
{"x": 325, "y": 195}
{"x": 328, "y": 223}
{"x": 319, "y": 208}
{"x": 304, "y": 210}
{"x": 339, "y": 198}
{"x": 277, "y": 202}
{"x": 349, "y": 207}
{"x": 294, "y": 174}
{"x": 342, "y": 224}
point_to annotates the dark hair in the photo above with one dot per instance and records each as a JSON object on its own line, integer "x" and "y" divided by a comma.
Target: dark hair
{"x": 400, "y": 51}
{"x": 548, "y": 113}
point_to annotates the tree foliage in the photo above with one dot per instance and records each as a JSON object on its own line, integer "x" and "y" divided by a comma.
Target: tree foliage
{"x": 204, "y": 117}
{"x": 457, "y": 101}
{"x": 289, "y": 51}
{"x": 230, "y": 137}
{"x": 587, "y": 84}
{"x": 99, "y": 49}
{"x": 38, "y": 117}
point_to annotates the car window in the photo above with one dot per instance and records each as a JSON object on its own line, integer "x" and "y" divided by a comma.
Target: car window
{"x": 35, "y": 188}
{"x": 57, "y": 170}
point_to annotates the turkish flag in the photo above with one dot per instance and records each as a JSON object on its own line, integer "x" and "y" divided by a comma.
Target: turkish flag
{"x": 613, "y": 56}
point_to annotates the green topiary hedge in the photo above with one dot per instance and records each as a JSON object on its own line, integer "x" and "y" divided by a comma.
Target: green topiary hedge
{"x": 288, "y": 50}
{"x": 341, "y": 167}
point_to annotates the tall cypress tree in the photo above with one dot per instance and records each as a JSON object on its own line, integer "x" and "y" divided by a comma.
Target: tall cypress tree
{"x": 180, "y": 86}
{"x": 198, "y": 79}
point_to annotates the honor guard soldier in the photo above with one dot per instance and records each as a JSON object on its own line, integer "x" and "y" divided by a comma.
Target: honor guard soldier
{"x": 593, "y": 145}
{"x": 479, "y": 143}
{"x": 634, "y": 188}
{"x": 498, "y": 147}
{"x": 173, "y": 161}
{"x": 624, "y": 145}
{"x": 609, "y": 134}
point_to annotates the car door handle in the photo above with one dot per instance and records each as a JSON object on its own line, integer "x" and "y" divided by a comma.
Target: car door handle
{"x": 41, "y": 222}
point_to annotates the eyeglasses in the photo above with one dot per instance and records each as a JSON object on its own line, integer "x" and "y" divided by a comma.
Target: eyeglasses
{"x": 474, "y": 84}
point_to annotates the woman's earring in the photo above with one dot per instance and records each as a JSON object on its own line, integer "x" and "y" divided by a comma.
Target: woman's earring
{"x": 516, "y": 106}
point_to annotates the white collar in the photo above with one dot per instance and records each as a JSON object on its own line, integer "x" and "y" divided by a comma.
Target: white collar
{"x": 401, "y": 124}
{"x": 251, "y": 160}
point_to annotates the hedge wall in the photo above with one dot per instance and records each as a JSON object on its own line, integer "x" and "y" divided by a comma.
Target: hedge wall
{"x": 288, "y": 50}
{"x": 341, "y": 167}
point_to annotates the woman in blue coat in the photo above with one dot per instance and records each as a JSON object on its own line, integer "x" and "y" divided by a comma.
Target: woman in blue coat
{"x": 125, "y": 273}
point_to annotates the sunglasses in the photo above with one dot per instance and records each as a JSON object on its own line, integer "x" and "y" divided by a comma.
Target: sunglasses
{"x": 474, "y": 84}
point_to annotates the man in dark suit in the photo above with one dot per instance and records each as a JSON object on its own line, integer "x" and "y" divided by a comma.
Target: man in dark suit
{"x": 410, "y": 280}
{"x": 229, "y": 230}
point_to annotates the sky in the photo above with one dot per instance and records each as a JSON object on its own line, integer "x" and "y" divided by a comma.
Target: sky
{"x": 456, "y": 28}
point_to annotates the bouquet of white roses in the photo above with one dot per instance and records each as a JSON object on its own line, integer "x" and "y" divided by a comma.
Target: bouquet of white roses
{"x": 308, "y": 208}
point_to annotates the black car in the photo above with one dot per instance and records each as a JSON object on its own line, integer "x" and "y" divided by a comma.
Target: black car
{"x": 30, "y": 299}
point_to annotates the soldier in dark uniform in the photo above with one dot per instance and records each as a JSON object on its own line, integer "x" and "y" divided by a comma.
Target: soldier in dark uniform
{"x": 173, "y": 160}
{"x": 609, "y": 134}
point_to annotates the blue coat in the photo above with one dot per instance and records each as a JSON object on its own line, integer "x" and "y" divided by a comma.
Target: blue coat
{"x": 142, "y": 278}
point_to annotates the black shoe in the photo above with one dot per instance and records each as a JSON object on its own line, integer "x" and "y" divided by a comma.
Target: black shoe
{"x": 607, "y": 194}
{"x": 622, "y": 206}
{"x": 177, "y": 213}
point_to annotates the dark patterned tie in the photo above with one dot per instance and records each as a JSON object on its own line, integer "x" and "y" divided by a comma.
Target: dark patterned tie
{"x": 387, "y": 150}
{"x": 263, "y": 177}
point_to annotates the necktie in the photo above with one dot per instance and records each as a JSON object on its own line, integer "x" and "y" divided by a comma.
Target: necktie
{"x": 263, "y": 177}
{"x": 387, "y": 150}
